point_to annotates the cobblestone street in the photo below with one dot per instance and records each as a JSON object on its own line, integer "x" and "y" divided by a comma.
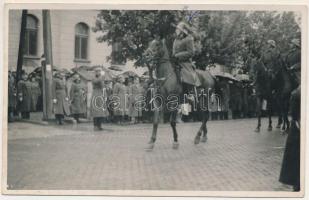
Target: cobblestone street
{"x": 74, "y": 157}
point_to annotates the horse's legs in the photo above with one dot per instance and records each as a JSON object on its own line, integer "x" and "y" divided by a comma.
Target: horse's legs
{"x": 259, "y": 113}
{"x": 203, "y": 129}
{"x": 173, "y": 125}
{"x": 270, "y": 128}
{"x": 286, "y": 124}
{"x": 280, "y": 115}
{"x": 206, "y": 117}
{"x": 156, "y": 116}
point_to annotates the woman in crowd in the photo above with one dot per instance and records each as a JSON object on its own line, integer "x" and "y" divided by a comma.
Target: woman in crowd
{"x": 119, "y": 99}
{"x": 78, "y": 97}
{"x": 60, "y": 98}
{"x": 98, "y": 104}
{"x": 24, "y": 96}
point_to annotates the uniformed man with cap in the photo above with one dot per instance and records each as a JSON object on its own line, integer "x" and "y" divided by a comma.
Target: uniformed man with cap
{"x": 119, "y": 92}
{"x": 61, "y": 106}
{"x": 98, "y": 106}
{"x": 183, "y": 51}
{"x": 24, "y": 96}
{"x": 78, "y": 96}
{"x": 271, "y": 57}
{"x": 293, "y": 59}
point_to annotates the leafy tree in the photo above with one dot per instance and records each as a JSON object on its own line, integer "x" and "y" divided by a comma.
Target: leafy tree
{"x": 134, "y": 29}
{"x": 230, "y": 38}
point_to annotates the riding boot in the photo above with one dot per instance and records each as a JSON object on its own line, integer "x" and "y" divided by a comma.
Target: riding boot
{"x": 178, "y": 75}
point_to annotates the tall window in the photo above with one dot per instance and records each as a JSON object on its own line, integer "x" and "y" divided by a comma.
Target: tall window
{"x": 31, "y": 36}
{"x": 81, "y": 41}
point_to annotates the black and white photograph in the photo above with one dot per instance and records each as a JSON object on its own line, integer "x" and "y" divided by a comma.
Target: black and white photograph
{"x": 161, "y": 101}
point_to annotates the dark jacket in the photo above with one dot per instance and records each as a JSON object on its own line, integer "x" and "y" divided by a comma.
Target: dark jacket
{"x": 24, "y": 96}
{"x": 290, "y": 169}
{"x": 293, "y": 62}
{"x": 11, "y": 94}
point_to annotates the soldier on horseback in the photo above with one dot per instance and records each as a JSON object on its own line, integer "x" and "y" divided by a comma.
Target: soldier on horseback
{"x": 183, "y": 51}
{"x": 293, "y": 58}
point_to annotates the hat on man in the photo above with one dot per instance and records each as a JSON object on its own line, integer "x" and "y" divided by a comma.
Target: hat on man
{"x": 97, "y": 69}
{"x": 296, "y": 42}
{"x": 184, "y": 27}
{"x": 271, "y": 42}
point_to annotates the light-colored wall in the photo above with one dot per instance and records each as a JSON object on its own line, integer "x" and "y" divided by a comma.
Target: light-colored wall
{"x": 63, "y": 38}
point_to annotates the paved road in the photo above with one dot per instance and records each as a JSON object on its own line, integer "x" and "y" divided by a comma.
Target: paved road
{"x": 74, "y": 157}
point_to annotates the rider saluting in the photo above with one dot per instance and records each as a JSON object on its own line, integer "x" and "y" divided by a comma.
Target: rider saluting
{"x": 183, "y": 51}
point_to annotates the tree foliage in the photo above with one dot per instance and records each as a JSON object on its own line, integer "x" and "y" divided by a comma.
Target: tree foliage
{"x": 226, "y": 37}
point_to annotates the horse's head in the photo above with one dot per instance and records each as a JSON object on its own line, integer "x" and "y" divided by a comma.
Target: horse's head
{"x": 153, "y": 53}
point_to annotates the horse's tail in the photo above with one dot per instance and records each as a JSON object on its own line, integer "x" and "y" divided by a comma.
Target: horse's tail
{"x": 209, "y": 86}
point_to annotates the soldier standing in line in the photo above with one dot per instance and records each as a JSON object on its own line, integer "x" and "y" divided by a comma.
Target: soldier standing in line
{"x": 78, "y": 96}
{"x": 60, "y": 98}
{"x": 98, "y": 104}
{"x": 135, "y": 92}
{"x": 119, "y": 92}
{"x": 35, "y": 93}
{"x": 11, "y": 97}
{"x": 24, "y": 96}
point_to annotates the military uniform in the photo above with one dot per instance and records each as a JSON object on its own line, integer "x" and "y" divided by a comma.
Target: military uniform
{"x": 135, "y": 92}
{"x": 293, "y": 61}
{"x": 120, "y": 92}
{"x": 35, "y": 93}
{"x": 24, "y": 97}
{"x": 11, "y": 99}
{"x": 98, "y": 107}
{"x": 78, "y": 96}
{"x": 183, "y": 51}
{"x": 61, "y": 105}
{"x": 271, "y": 59}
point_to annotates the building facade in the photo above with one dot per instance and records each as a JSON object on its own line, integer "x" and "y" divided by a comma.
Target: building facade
{"x": 73, "y": 42}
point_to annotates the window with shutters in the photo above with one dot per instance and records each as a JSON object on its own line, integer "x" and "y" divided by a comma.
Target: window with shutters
{"x": 81, "y": 41}
{"x": 31, "y": 36}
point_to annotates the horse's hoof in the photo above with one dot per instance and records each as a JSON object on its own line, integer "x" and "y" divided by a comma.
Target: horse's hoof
{"x": 278, "y": 126}
{"x": 204, "y": 139}
{"x": 270, "y": 128}
{"x": 150, "y": 146}
{"x": 175, "y": 145}
{"x": 284, "y": 131}
{"x": 197, "y": 139}
{"x": 257, "y": 130}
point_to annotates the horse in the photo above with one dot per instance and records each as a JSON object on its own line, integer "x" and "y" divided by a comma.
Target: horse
{"x": 168, "y": 86}
{"x": 263, "y": 88}
{"x": 285, "y": 83}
